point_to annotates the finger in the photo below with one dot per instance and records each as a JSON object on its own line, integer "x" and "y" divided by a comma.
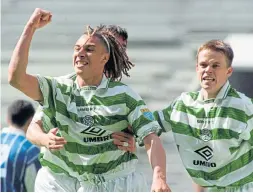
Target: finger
{"x": 54, "y": 131}
{"x": 56, "y": 138}
{"x": 117, "y": 142}
{"x": 56, "y": 147}
{"x": 121, "y": 143}
{"x": 44, "y": 12}
{"x": 59, "y": 141}
{"x": 122, "y": 134}
{"x": 121, "y": 138}
{"x": 50, "y": 18}
{"x": 45, "y": 17}
{"x": 52, "y": 143}
{"x": 122, "y": 148}
{"x": 131, "y": 149}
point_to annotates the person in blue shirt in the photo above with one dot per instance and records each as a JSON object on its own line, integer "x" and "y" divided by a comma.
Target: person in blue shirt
{"x": 19, "y": 162}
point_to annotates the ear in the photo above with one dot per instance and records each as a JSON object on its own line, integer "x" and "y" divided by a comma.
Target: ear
{"x": 105, "y": 58}
{"x": 230, "y": 71}
{"x": 197, "y": 67}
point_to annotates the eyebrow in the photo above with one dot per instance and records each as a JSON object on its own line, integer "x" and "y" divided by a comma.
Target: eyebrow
{"x": 85, "y": 45}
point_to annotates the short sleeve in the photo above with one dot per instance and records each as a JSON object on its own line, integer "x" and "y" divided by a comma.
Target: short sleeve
{"x": 247, "y": 135}
{"x": 140, "y": 117}
{"x": 47, "y": 111}
{"x": 164, "y": 117}
{"x": 46, "y": 86}
{"x": 38, "y": 114}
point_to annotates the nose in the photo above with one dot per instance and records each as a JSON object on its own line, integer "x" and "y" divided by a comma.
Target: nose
{"x": 209, "y": 69}
{"x": 81, "y": 53}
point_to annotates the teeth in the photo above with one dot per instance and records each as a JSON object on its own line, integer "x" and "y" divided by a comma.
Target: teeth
{"x": 81, "y": 63}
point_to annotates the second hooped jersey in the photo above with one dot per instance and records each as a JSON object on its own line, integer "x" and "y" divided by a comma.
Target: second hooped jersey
{"x": 214, "y": 137}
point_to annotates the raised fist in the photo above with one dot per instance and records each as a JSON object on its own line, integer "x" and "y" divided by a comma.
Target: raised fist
{"x": 39, "y": 18}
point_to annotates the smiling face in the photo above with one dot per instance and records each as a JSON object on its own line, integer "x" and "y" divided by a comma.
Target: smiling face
{"x": 213, "y": 71}
{"x": 89, "y": 57}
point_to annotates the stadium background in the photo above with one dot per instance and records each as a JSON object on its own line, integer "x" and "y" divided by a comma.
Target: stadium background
{"x": 163, "y": 37}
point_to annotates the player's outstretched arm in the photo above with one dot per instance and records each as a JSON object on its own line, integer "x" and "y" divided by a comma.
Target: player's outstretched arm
{"x": 17, "y": 75}
{"x": 157, "y": 159}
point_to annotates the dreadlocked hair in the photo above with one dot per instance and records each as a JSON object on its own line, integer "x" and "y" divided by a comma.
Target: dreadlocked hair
{"x": 118, "y": 63}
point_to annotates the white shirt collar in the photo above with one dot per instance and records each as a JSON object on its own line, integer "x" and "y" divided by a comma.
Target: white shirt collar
{"x": 221, "y": 94}
{"x": 103, "y": 85}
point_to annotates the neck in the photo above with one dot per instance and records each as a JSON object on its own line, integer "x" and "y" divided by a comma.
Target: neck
{"x": 92, "y": 81}
{"x": 24, "y": 128}
{"x": 207, "y": 95}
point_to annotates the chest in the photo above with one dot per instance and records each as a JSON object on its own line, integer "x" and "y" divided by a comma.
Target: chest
{"x": 209, "y": 122}
{"x": 92, "y": 114}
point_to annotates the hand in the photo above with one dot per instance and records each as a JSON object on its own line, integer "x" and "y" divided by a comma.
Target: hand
{"x": 54, "y": 142}
{"x": 39, "y": 18}
{"x": 121, "y": 138}
{"x": 160, "y": 185}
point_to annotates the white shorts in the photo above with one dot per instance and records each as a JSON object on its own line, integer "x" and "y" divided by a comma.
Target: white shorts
{"x": 48, "y": 181}
{"x": 133, "y": 182}
{"x": 246, "y": 188}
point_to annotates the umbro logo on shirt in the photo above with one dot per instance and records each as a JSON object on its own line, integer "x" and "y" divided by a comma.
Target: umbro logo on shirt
{"x": 206, "y": 153}
{"x": 94, "y": 131}
{"x": 97, "y": 135}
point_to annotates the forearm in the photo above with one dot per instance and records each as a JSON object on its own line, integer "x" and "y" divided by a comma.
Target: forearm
{"x": 19, "y": 59}
{"x": 35, "y": 134}
{"x": 157, "y": 157}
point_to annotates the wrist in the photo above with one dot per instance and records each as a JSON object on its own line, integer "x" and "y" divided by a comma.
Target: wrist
{"x": 159, "y": 174}
{"x": 43, "y": 139}
{"x": 29, "y": 27}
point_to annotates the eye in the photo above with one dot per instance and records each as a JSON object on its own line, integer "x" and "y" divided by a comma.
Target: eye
{"x": 89, "y": 49}
{"x": 203, "y": 65}
{"x": 77, "y": 48}
{"x": 215, "y": 65}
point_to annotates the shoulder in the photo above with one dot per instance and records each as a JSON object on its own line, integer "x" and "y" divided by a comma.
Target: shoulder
{"x": 126, "y": 92}
{"x": 248, "y": 102}
{"x": 121, "y": 87}
{"x": 189, "y": 96}
{"x": 117, "y": 85}
{"x": 186, "y": 98}
{"x": 71, "y": 76}
{"x": 241, "y": 101}
{"x": 63, "y": 80}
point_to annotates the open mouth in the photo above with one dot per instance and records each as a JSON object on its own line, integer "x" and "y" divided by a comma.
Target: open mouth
{"x": 81, "y": 63}
{"x": 208, "y": 79}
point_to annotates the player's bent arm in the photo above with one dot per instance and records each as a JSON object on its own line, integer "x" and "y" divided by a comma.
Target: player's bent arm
{"x": 157, "y": 159}
{"x": 50, "y": 140}
{"x": 36, "y": 134}
{"x": 17, "y": 75}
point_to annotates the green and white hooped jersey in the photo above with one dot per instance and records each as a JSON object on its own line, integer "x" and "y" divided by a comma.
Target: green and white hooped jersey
{"x": 214, "y": 137}
{"x": 86, "y": 118}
